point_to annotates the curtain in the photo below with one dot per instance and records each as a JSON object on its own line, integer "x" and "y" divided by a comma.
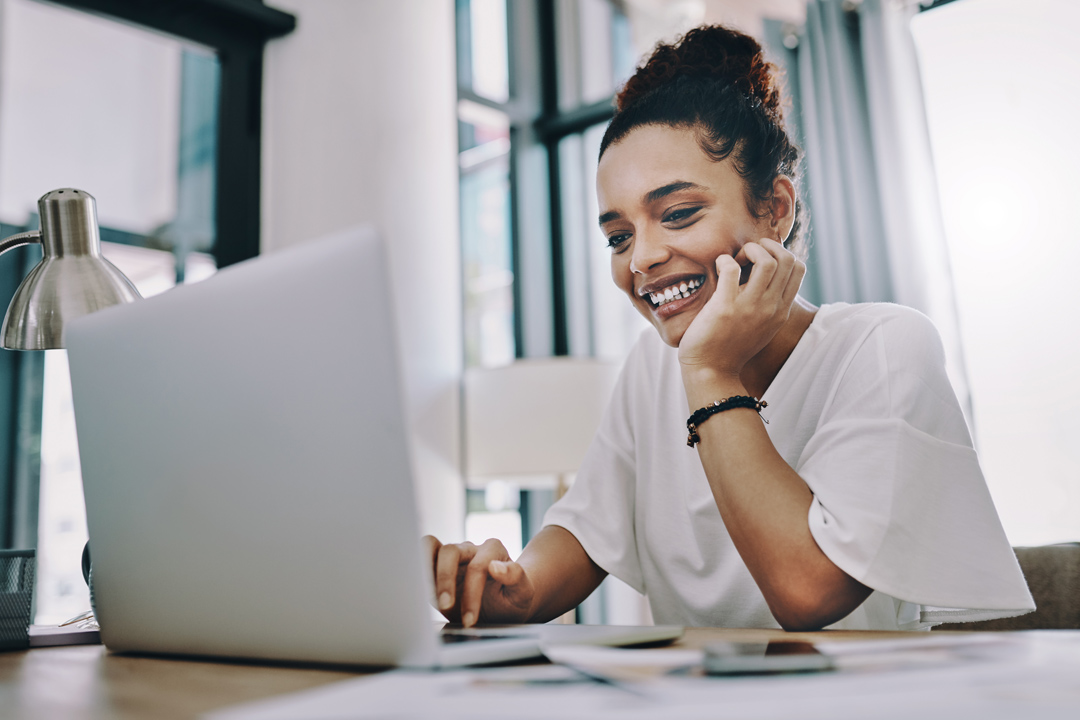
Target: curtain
{"x": 876, "y": 231}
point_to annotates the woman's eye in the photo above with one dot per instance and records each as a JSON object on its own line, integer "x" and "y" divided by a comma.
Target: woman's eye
{"x": 615, "y": 241}
{"x": 680, "y": 214}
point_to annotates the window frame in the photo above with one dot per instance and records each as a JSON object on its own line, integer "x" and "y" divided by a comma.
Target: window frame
{"x": 538, "y": 124}
{"x": 237, "y": 31}
{"x": 552, "y": 126}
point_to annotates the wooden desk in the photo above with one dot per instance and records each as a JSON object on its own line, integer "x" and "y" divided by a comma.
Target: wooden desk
{"x": 90, "y": 682}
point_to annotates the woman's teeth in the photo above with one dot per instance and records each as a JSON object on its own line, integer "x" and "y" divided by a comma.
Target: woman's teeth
{"x": 675, "y": 292}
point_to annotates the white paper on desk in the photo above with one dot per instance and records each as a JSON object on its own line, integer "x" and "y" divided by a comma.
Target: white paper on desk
{"x": 1041, "y": 682}
{"x": 919, "y": 642}
{"x": 623, "y": 665}
{"x": 597, "y": 656}
{"x": 526, "y": 691}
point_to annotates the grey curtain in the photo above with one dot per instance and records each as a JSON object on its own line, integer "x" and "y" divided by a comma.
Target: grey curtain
{"x": 876, "y": 232}
{"x": 852, "y": 264}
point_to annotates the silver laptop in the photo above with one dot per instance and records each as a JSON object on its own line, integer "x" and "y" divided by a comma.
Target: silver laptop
{"x": 247, "y": 476}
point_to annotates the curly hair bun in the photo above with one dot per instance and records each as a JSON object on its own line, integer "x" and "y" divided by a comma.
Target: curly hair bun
{"x": 714, "y": 52}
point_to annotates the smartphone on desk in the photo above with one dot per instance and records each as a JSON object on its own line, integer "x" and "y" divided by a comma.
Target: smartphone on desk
{"x": 779, "y": 656}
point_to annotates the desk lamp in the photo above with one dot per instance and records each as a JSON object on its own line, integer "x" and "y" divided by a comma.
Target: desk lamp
{"x": 72, "y": 279}
{"x": 534, "y": 417}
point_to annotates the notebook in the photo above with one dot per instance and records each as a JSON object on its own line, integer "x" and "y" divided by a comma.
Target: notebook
{"x": 246, "y": 468}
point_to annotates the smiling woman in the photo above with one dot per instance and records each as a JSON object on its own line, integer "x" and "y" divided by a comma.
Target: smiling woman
{"x": 860, "y": 504}
{"x": 698, "y": 200}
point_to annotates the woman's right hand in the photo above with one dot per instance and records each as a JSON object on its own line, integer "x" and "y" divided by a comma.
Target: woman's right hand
{"x": 479, "y": 583}
{"x": 739, "y": 320}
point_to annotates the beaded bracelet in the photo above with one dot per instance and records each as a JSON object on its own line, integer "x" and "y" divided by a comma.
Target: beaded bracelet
{"x": 736, "y": 401}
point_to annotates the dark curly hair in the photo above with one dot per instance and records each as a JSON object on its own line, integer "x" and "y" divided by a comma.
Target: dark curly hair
{"x": 716, "y": 81}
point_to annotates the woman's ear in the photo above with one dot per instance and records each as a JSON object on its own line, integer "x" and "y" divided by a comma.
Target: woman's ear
{"x": 782, "y": 206}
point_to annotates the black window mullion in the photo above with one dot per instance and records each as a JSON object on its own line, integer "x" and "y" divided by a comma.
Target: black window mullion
{"x": 515, "y": 244}
{"x": 555, "y": 127}
{"x": 465, "y": 93}
{"x": 213, "y": 23}
{"x": 238, "y": 183}
{"x": 560, "y": 326}
{"x": 549, "y": 103}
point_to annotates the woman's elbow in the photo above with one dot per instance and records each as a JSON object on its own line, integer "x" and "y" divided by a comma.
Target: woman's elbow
{"x": 794, "y": 620}
{"x": 800, "y": 617}
{"x": 804, "y": 610}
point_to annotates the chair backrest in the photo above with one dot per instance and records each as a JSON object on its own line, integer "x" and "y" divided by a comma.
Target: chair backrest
{"x": 1053, "y": 576}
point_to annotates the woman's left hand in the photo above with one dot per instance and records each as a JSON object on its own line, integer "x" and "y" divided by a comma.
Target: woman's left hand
{"x": 738, "y": 321}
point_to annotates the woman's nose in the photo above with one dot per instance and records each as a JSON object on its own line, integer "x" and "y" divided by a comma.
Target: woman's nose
{"x": 649, "y": 251}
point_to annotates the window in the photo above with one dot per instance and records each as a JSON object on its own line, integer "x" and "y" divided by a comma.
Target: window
{"x": 235, "y": 32}
{"x": 529, "y": 128}
{"x": 144, "y": 143}
{"x": 165, "y": 132}
{"x": 536, "y": 81}
{"x": 486, "y": 231}
{"x": 1005, "y": 149}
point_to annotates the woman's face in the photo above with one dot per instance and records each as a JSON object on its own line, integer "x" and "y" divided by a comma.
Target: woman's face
{"x": 669, "y": 211}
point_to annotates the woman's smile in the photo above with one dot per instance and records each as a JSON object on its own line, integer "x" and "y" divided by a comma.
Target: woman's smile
{"x": 669, "y": 298}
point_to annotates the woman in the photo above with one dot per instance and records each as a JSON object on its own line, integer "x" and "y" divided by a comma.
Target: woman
{"x": 861, "y": 503}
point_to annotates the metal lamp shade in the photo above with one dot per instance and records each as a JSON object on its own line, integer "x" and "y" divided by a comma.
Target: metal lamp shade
{"x": 57, "y": 291}
{"x": 72, "y": 279}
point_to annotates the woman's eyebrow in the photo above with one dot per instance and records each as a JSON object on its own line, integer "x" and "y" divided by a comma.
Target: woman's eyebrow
{"x": 609, "y": 216}
{"x": 665, "y": 190}
{"x": 654, "y": 195}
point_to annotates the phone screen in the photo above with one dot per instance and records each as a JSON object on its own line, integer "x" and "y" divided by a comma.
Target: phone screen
{"x": 779, "y": 656}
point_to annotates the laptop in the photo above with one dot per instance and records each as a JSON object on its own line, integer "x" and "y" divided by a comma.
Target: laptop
{"x": 246, "y": 468}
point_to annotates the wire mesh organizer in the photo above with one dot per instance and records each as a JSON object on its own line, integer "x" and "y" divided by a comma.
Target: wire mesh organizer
{"x": 16, "y": 594}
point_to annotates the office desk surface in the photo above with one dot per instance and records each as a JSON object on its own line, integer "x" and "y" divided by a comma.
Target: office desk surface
{"x": 90, "y": 682}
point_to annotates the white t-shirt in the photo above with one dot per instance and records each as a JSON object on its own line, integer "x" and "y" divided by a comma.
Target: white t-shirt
{"x": 864, "y": 412}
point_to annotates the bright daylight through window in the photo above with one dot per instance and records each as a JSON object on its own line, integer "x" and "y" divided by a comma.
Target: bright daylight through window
{"x": 145, "y": 147}
{"x": 1003, "y": 128}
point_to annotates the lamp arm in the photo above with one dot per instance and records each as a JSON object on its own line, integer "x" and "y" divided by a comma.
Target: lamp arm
{"x": 13, "y": 241}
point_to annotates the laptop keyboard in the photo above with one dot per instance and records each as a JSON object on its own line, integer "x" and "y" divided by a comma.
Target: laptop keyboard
{"x": 454, "y": 638}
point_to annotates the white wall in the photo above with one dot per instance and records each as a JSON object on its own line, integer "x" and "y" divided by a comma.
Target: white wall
{"x": 359, "y": 126}
{"x": 88, "y": 103}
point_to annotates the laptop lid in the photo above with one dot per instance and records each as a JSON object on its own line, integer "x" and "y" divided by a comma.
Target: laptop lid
{"x": 245, "y": 464}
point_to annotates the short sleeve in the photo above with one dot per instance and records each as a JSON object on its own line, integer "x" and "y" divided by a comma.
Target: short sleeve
{"x": 900, "y": 502}
{"x": 599, "y": 507}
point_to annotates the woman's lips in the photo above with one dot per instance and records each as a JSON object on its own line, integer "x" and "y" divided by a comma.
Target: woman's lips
{"x": 676, "y": 306}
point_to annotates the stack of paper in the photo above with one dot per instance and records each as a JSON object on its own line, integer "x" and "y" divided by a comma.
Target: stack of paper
{"x": 1014, "y": 675}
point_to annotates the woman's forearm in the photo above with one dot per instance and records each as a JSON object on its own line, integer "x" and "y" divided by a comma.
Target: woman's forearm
{"x": 765, "y": 504}
{"x": 561, "y": 572}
